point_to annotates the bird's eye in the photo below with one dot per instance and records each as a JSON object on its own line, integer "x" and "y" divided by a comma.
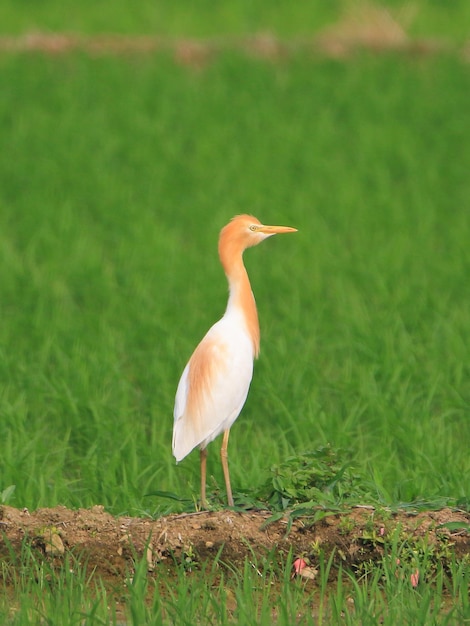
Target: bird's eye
{"x": 253, "y": 227}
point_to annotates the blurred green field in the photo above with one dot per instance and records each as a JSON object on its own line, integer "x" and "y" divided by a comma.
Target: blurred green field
{"x": 116, "y": 175}
{"x": 200, "y": 18}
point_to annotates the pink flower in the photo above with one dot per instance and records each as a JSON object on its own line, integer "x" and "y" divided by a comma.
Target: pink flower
{"x": 301, "y": 568}
{"x": 299, "y": 565}
{"x": 415, "y": 578}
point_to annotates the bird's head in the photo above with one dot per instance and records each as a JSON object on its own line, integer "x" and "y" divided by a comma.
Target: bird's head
{"x": 244, "y": 231}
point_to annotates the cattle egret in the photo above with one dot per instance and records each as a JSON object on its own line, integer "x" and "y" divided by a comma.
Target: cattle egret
{"x": 215, "y": 382}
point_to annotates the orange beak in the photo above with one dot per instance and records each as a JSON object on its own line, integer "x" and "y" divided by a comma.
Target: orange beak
{"x": 276, "y": 230}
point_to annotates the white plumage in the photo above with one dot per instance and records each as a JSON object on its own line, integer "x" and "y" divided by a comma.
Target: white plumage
{"x": 231, "y": 351}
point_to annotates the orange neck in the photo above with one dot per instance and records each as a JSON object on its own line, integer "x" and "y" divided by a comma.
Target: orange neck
{"x": 241, "y": 296}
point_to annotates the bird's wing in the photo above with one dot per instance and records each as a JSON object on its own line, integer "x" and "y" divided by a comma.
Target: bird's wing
{"x": 212, "y": 389}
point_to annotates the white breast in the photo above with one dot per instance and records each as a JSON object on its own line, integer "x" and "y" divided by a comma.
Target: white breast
{"x": 214, "y": 385}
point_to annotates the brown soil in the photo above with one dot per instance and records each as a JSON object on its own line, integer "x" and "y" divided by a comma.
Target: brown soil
{"x": 109, "y": 545}
{"x": 364, "y": 27}
{"x": 197, "y": 53}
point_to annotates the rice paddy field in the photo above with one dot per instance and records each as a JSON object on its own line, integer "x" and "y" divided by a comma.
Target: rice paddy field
{"x": 117, "y": 172}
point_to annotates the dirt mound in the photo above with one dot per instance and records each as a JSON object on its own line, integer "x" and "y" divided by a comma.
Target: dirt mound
{"x": 109, "y": 546}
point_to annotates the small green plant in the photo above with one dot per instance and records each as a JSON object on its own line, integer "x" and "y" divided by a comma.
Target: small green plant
{"x": 314, "y": 484}
{"x": 346, "y": 525}
{"x": 7, "y": 494}
{"x": 322, "y": 477}
{"x": 189, "y": 558}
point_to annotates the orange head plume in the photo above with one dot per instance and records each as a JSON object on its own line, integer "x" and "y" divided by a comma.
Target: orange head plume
{"x": 244, "y": 231}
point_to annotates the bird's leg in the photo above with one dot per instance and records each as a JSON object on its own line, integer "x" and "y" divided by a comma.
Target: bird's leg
{"x": 223, "y": 458}
{"x": 203, "y": 457}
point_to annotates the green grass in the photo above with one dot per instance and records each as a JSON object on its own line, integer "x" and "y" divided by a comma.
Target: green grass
{"x": 421, "y": 18}
{"x": 260, "y": 592}
{"x": 116, "y": 177}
